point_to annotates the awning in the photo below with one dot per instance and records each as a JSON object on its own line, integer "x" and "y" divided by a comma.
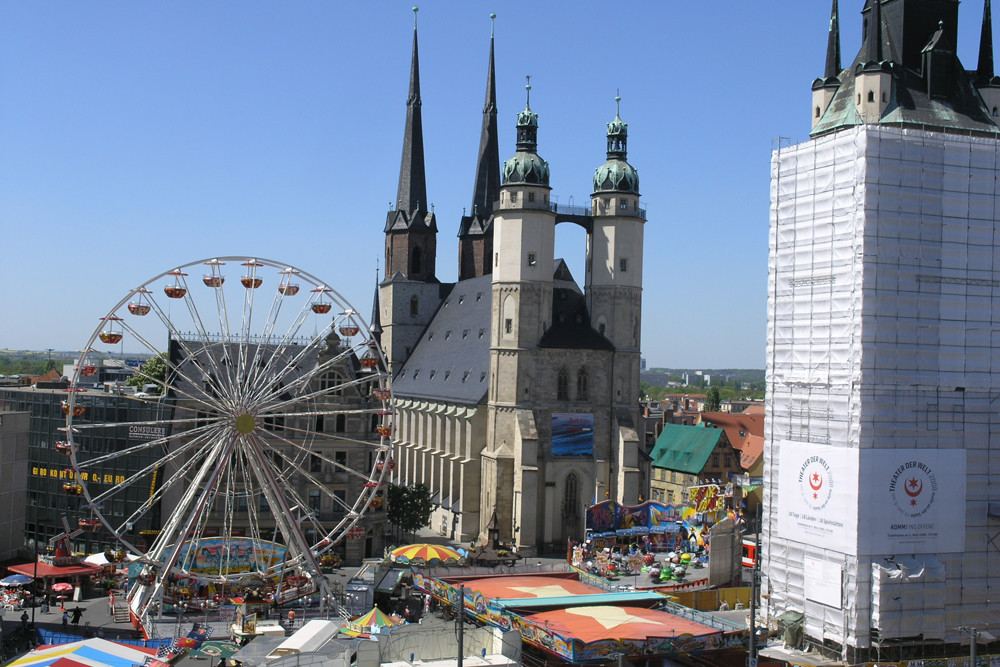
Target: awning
{"x": 53, "y": 572}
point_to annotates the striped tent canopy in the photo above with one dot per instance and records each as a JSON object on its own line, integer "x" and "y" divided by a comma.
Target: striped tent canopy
{"x": 425, "y": 554}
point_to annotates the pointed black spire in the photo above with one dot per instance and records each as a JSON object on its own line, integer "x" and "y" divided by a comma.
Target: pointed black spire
{"x": 833, "y": 45}
{"x": 412, "y": 193}
{"x": 487, "y": 189}
{"x": 984, "y": 72}
{"x": 873, "y": 49}
{"x": 375, "y": 327}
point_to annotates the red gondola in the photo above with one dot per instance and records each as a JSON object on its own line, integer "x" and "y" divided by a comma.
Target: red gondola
{"x": 349, "y": 330}
{"x": 78, "y": 410}
{"x": 288, "y": 289}
{"x": 64, "y": 447}
{"x": 321, "y": 308}
{"x": 384, "y": 431}
{"x": 93, "y": 525}
{"x": 72, "y": 489}
{"x": 138, "y": 309}
{"x": 88, "y": 371}
{"x": 369, "y": 361}
{"x": 213, "y": 280}
{"x": 110, "y": 337}
{"x": 381, "y": 394}
{"x": 177, "y": 290}
{"x": 371, "y": 485}
{"x": 251, "y": 282}
{"x": 376, "y": 503}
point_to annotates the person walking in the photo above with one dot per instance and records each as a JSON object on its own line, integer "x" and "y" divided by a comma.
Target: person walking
{"x": 24, "y": 621}
{"x": 65, "y": 621}
{"x": 77, "y": 613}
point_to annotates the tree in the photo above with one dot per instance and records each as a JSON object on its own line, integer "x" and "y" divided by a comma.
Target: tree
{"x": 154, "y": 371}
{"x": 408, "y": 507}
{"x": 712, "y": 400}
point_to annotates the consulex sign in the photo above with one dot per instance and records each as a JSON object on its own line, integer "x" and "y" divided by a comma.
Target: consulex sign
{"x": 905, "y": 500}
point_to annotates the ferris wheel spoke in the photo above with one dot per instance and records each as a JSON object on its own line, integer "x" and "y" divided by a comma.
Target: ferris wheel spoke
{"x": 309, "y": 452}
{"x": 277, "y": 498}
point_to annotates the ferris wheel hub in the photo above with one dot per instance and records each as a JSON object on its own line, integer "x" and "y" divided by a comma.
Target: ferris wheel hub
{"x": 246, "y": 423}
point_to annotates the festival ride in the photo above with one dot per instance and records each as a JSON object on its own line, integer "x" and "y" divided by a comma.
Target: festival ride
{"x": 240, "y": 456}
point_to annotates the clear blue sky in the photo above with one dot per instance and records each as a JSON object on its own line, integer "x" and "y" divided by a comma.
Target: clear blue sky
{"x": 137, "y": 136}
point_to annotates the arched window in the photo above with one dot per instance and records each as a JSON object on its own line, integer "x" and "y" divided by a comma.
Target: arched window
{"x": 581, "y": 384}
{"x": 562, "y": 385}
{"x": 417, "y": 261}
{"x": 817, "y": 112}
{"x": 571, "y": 496}
{"x": 871, "y": 95}
{"x": 508, "y": 317}
{"x": 414, "y": 305}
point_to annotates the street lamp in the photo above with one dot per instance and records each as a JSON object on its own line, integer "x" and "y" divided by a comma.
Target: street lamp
{"x": 974, "y": 636}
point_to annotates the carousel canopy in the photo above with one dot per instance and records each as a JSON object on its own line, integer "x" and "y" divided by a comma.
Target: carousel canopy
{"x": 425, "y": 554}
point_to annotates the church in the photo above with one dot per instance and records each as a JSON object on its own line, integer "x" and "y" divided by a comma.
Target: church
{"x": 515, "y": 390}
{"x": 883, "y": 362}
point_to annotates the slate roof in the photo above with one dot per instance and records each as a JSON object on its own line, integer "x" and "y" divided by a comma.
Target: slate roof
{"x": 957, "y": 108}
{"x": 571, "y": 327}
{"x": 685, "y": 449}
{"x": 451, "y": 362}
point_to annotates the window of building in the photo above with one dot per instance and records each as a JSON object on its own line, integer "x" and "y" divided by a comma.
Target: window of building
{"x": 817, "y": 112}
{"x": 715, "y": 460}
{"x": 314, "y": 500}
{"x": 513, "y": 196}
{"x": 315, "y": 463}
{"x": 571, "y": 497}
{"x": 319, "y": 423}
{"x": 417, "y": 260}
{"x": 623, "y": 265}
{"x": 341, "y": 423}
{"x": 414, "y": 305}
{"x": 581, "y": 385}
{"x": 531, "y": 196}
{"x": 562, "y": 385}
{"x": 508, "y": 325}
{"x": 871, "y": 95}
{"x": 340, "y": 458}
{"x": 532, "y": 259}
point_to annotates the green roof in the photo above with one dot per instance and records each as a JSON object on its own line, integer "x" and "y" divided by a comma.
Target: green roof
{"x": 685, "y": 448}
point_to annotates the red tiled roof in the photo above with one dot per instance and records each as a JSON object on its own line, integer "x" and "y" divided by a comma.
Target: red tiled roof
{"x": 754, "y": 410}
{"x": 740, "y": 428}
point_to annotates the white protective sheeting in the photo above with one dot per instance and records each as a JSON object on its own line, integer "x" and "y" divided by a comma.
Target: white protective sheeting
{"x": 908, "y": 596}
{"x": 884, "y": 334}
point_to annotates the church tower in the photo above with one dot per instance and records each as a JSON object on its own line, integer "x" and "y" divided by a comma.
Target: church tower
{"x": 522, "y": 284}
{"x": 475, "y": 234}
{"x": 410, "y": 293}
{"x": 882, "y": 438}
{"x": 614, "y": 294}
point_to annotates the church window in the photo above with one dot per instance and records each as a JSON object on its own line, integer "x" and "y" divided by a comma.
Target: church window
{"x": 532, "y": 259}
{"x": 581, "y": 385}
{"x": 417, "y": 261}
{"x": 562, "y": 385}
{"x": 414, "y": 305}
{"x": 600, "y": 328}
{"x": 531, "y": 196}
{"x": 571, "y": 497}
{"x": 341, "y": 423}
{"x": 623, "y": 264}
{"x": 817, "y": 112}
{"x": 513, "y": 196}
{"x": 496, "y": 259}
{"x": 883, "y": 97}
{"x": 871, "y": 95}
{"x": 859, "y": 98}
{"x": 508, "y": 325}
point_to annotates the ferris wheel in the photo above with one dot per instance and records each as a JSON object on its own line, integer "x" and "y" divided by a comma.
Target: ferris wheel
{"x": 256, "y": 440}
